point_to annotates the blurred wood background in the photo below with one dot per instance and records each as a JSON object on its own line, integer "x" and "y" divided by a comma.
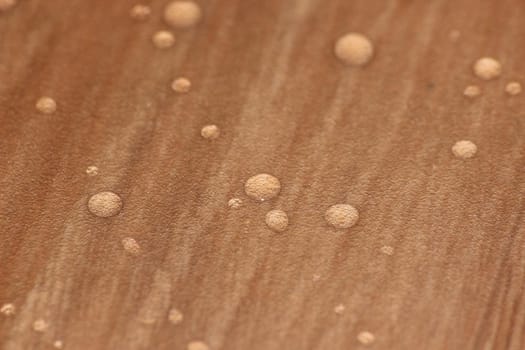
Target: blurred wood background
{"x": 377, "y": 137}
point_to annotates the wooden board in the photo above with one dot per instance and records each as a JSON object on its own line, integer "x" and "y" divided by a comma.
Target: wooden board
{"x": 377, "y": 137}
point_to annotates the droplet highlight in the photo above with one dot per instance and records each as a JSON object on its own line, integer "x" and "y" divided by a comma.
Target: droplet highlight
{"x": 277, "y": 220}
{"x": 40, "y": 325}
{"x": 175, "y": 316}
{"x": 339, "y": 309}
{"x": 513, "y": 88}
{"x": 198, "y": 345}
{"x": 105, "y": 204}
{"x": 235, "y": 203}
{"x": 366, "y": 338}
{"x": 181, "y": 85}
{"x": 140, "y": 12}
{"x": 8, "y": 309}
{"x": 464, "y": 149}
{"x": 210, "y": 132}
{"x": 472, "y": 91}
{"x": 163, "y": 39}
{"x": 341, "y": 216}
{"x": 182, "y": 14}
{"x": 487, "y": 68}
{"x": 354, "y": 49}
{"x": 46, "y": 105}
{"x": 92, "y": 170}
{"x": 131, "y": 246}
{"x": 262, "y": 187}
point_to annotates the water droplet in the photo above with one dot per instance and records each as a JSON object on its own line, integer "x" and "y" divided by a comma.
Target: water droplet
{"x": 388, "y": 250}
{"x": 366, "y": 338}
{"x": 262, "y": 187}
{"x": 131, "y": 246}
{"x": 513, "y": 88}
{"x": 277, "y": 220}
{"x": 339, "y": 309}
{"x": 175, "y": 316}
{"x": 472, "y": 91}
{"x": 235, "y": 203}
{"x": 487, "y": 68}
{"x": 464, "y": 149}
{"x": 92, "y": 170}
{"x": 40, "y": 325}
{"x": 8, "y": 309}
{"x": 105, "y": 204}
{"x": 46, "y": 105}
{"x": 198, "y": 345}
{"x": 210, "y": 132}
{"x": 58, "y": 344}
{"x": 316, "y": 277}
{"x": 163, "y": 39}
{"x": 140, "y": 12}
{"x": 341, "y": 216}
{"x": 182, "y": 14}
{"x": 7, "y": 4}
{"x": 354, "y": 49}
{"x": 181, "y": 85}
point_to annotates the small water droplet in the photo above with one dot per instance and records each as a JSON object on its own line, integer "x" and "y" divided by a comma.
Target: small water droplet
{"x": 388, "y": 250}
{"x": 316, "y": 277}
{"x": 40, "y": 325}
{"x": 182, "y": 14}
{"x": 366, "y": 338}
{"x": 46, "y": 105}
{"x": 262, "y": 187}
{"x": 464, "y": 149}
{"x": 163, "y": 39}
{"x": 341, "y": 216}
{"x": 487, "y": 68}
{"x": 198, "y": 345}
{"x": 235, "y": 203}
{"x": 210, "y": 132}
{"x": 339, "y": 309}
{"x": 181, "y": 85}
{"x": 105, "y": 204}
{"x": 140, "y": 12}
{"x": 175, "y": 316}
{"x": 8, "y": 309}
{"x": 472, "y": 91}
{"x": 58, "y": 344}
{"x": 513, "y": 88}
{"x": 277, "y": 220}
{"x": 92, "y": 170}
{"x": 354, "y": 49}
{"x": 131, "y": 246}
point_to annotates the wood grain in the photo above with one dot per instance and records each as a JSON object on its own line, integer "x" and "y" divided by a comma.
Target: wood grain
{"x": 377, "y": 137}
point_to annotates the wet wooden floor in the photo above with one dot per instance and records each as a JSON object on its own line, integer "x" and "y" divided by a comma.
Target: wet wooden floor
{"x": 452, "y": 275}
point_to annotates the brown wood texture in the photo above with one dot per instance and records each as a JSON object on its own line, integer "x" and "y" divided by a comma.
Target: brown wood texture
{"x": 378, "y": 137}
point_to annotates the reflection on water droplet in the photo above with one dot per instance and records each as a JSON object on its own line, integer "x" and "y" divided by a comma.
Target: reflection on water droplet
{"x": 354, "y": 49}
{"x": 182, "y": 14}
{"x": 339, "y": 309}
{"x": 105, "y": 204}
{"x": 341, "y": 216}
{"x": 235, "y": 203}
{"x": 366, "y": 338}
{"x": 262, "y": 187}
{"x": 8, "y": 309}
{"x": 40, "y": 325}
{"x": 277, "y": 220}
{"x": 175, "y": 316}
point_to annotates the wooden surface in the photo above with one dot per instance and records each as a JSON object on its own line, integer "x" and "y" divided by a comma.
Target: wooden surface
{"x": 377, "y": 137}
